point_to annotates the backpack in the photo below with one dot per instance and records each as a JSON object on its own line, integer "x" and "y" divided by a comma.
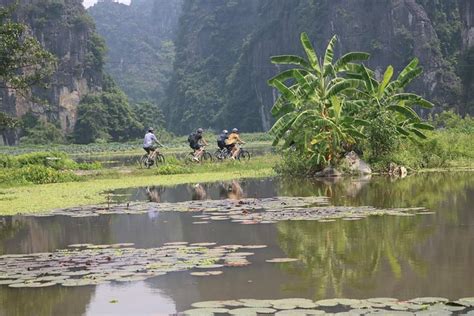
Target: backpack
{"x": 192, "y": 138}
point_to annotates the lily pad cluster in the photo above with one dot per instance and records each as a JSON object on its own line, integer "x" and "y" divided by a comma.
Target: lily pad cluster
{"x": 247, "y": 211}
{"x": 247, "y": 205}
{"x": 88, "y": 264}
{"x": 341, "y": 306}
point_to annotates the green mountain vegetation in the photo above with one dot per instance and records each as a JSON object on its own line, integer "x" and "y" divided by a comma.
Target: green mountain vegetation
{"x": 140, "y": 47}
{"x": 219, "y": 83}
{"x": 190, "y": 63}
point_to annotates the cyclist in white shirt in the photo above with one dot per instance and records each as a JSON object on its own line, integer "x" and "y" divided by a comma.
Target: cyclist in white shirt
{"x": 149, "y": 140}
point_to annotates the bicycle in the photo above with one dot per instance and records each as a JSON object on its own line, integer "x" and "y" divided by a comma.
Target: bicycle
{"x": 155, "y": 158}
{"x": 225, "y": 153}
{"x": 222, "y": 154}
{"x": 205, "y": 157}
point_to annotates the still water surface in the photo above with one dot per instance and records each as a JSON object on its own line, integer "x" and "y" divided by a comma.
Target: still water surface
{"x": 402, "y": 257}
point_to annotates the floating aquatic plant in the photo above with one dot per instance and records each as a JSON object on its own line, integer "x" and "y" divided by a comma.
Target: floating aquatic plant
{"x": 303, "y": 306}
{"x": 88, "y": 264}
{"x": 248, "y": 211}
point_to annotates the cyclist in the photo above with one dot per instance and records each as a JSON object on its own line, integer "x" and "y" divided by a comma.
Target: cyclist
{"x": 222, "y": 138}
{"x": 197, "y": 142}
{"x": 149, "y": 140}
{"x": 233, "y": 142}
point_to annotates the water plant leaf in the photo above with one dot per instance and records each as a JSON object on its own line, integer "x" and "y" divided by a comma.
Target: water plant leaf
{"x": 299, "y": 312}
{"x": 428, "y": 300}
{"x": 281, "y": 260}
{"x": 205, "y": 311}
{"x": 247, "y": 311}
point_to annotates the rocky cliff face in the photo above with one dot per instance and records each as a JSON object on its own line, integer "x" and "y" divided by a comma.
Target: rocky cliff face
{"x": 467, "y": 62}
{"x": 393, "y": 31}
{"x": 467, "y": 14}
{"x": 65, "y": 29}
{"x": 139, "y": 38}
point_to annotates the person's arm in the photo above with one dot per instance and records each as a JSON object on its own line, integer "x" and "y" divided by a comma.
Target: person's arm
{"x": 157, "y": 141}
{"x": 204, "y": 142}
{"x": 240, "y": 140}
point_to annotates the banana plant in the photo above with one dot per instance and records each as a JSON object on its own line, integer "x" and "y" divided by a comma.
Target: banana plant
{"x": 389, "y": 95}
{"x": 312, "y": 95}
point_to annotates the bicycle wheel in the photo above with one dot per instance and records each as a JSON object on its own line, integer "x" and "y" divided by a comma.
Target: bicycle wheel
{"x": 143, "y": 161}
{"x": 219, "y": 155}
{"x": 189, "y": 158}
{"x": 206, "y": 157}
{"x": 159, "y": 159}
{"x": 243, "y": 155}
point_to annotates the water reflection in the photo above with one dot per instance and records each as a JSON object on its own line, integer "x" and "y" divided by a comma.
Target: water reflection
{"x": 342, "y": 254}
{"x": 403, "y": 257}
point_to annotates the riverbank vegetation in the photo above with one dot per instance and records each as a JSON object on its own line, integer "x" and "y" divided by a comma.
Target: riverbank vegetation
{"x": 90, "y": 187}
{"x": 329, "y": 107}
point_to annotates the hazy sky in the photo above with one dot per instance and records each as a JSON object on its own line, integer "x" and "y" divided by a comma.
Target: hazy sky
{"x": 88, "y": 3}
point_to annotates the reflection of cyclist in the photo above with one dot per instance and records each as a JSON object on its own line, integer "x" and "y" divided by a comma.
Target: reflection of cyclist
{"x": 233, "y": 141}
{"x": 222, "y": 139}
{"x": 149, "y": 141}
{"x": 197, "y": 142}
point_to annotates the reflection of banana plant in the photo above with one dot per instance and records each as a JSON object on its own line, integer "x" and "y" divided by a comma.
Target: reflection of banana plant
{"x": 351, "y": 253}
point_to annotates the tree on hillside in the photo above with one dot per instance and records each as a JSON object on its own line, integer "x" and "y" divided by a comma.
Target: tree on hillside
{"x": 23, "y": 61}
{"x": 106, "y": 116}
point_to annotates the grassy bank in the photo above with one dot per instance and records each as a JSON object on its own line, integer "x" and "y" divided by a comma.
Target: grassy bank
{"x": 35, "y": 198}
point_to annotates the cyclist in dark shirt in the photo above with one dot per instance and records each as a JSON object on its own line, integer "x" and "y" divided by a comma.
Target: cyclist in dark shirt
{"x": 197, "y": 143}
{"x": 222, "y": 138}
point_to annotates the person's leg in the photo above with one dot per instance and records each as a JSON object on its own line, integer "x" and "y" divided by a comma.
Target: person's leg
{"x": 200, "y": 152}
{"x": 148, "y": 150}
{"x": 236, "y": 151}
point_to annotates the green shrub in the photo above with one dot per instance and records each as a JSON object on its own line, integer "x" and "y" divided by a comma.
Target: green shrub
{"x": 8, "y": 161}
{"x": 35, "y": 174}
{"x": 41, "y": 175}
{"x": 55, "y": 160}
{"x": 172, "y": 169}
{"x": 292, "y": 164}
{"x": 451, "y": 120}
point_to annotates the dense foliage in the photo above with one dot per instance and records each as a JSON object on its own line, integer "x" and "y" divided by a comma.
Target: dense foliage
{"x": 23, "y": 61}
{"x": 40, "y": 168}
{"x": 106, "y": 116}
{"x": 325, "y": 105}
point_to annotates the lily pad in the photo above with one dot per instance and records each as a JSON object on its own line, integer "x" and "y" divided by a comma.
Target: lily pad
{"x": 208, "y": 304}
{"x": 299, "y": 312}
{"x": 250, "y": 311}
{"x": 328, "y": 302}
{"x": 428, "y": 300}
{"x": 254, "y": 246}
{"x": 206, "y": 273}
{"x": 256, "y": 303}
{"x": 205, "y": 311}
{"x": 281, "y": 260}
{"x": 382, "y": 300}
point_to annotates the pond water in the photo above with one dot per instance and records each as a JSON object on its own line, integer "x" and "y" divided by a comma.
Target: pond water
{"x": 382, "y": 256}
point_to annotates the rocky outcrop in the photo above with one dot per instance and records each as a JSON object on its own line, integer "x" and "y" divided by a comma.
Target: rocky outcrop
{"x": 467, "y": 62}
{"x": 357, "y": 165}
{"x": 139, "y": 38}
{"x": 393, "y": 31}
{"x": 466, "y": 9}
{"x": 64, "y": 29}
